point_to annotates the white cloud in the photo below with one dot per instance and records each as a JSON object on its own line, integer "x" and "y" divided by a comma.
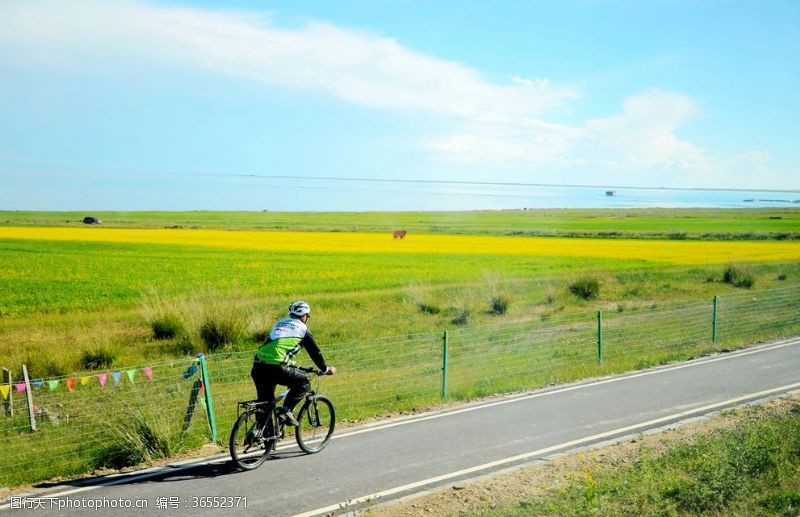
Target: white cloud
{"x": 491, "y": 123}
{"x": 644, "y": 133}
{"x": 359, "y": 67}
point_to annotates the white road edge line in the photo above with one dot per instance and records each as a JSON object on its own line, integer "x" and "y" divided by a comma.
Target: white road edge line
{"x": 561, "y": 390}
{"x": 177, "y": 467}
{"x": 539, "y": 452}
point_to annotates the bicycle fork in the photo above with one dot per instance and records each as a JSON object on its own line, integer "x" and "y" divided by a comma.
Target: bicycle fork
{"x": 313, "y": 412}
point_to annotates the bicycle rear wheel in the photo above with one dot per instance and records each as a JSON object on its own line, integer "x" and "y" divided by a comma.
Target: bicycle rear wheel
{"x": 317, "y": 419}
{"x": 249, "y": 448}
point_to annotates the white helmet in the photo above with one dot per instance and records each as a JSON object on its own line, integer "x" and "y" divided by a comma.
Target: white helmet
{"x": 299, "y": 309}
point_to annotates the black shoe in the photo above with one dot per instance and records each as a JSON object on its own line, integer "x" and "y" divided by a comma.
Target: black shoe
{"x": 288, "y": 418}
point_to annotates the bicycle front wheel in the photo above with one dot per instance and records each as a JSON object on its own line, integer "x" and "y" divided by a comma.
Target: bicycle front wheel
{"x": 248, "y": 447}
{"x": 317, "y": 419}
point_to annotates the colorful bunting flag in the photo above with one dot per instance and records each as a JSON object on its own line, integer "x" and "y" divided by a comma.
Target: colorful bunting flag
{"x": 5, "y": 389}
{"x": 190, "y": 371}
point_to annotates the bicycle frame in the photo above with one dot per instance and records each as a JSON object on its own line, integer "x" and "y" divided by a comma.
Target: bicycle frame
{"x": 317, "y": 411}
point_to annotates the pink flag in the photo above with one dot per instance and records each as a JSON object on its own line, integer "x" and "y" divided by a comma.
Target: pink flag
{"x": 102, "y": 378}
{"x": 148, "y": 372}
{"x": 20, "y": 387}
{"x": 70, "y": 384}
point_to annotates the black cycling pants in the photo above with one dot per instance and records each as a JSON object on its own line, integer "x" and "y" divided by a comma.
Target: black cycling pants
{"x": 267, "y": 376}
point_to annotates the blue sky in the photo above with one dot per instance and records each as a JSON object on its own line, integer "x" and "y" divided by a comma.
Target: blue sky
{"x": 133, "y": 105}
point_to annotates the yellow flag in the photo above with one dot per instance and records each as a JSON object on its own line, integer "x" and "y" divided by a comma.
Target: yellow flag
{"x": 4, "y": 389}
{"x": 85, "y": 380}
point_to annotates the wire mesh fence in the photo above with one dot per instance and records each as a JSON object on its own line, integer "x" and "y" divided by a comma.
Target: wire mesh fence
{"x": 502, "y": 358}
{"x": 99, "y": 420}
{"x": 645, "y": 336}
{"x": 749, "y": 317}
{"x": 123, "y": 417}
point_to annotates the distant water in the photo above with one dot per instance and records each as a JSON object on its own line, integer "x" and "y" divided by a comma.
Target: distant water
{"x": 593, "y": 197}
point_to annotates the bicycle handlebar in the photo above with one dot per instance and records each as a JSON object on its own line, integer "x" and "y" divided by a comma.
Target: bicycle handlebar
{"x": 311, "y": 369}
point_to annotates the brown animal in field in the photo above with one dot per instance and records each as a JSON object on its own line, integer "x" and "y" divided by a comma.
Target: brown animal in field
{"x": 399, "y": 234}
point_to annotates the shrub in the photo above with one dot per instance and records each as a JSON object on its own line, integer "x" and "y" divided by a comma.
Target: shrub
{"x": 782, "y": 277}
{"x": 586, "y": 288}
{"x": 738, "y": 277}
{"x": 162, "y": 315}
{"x": 167, "y": 326}
{"x": 499, "y": 304}
{"x": 97, "y": 359}
{"x": 260, "y": 336}
{"x": 136, "y": 439}
{"x": 183, "y": 347}
{"x": 222, "y": 326}
{"x": 461, "y": 317}
{"x": 40, "y": 366}
{"x": 215, "y": 334}
{"x": 428, "y": 309}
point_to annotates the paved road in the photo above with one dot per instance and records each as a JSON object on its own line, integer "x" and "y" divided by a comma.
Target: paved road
{"x": 398, "y": 457}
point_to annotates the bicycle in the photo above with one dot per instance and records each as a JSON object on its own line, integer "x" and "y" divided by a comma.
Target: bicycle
{"x": 250, "y": 444}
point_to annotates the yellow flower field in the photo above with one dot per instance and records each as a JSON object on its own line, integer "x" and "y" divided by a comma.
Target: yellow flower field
{"x": 669, "y": 252}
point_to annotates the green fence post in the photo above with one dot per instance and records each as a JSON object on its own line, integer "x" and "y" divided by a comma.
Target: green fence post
{"x": 212, "y": 424}
{"x": 714, "y": 323}
{"x": 600, "y": 337}
{"x": 444, "y": 365}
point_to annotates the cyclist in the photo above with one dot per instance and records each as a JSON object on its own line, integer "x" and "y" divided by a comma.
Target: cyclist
{"x": 273, "y": 363}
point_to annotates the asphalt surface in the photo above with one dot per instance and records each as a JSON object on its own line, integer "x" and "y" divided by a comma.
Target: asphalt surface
{"x": 368, "y": 465}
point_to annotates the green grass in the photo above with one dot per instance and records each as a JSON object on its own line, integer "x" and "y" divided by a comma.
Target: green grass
{"x": 59, "y": 299}
{"x": 68, "y": 306}
{"x": 94, "y": 428}
{"x": 750, "y": 470}
{"x": 761, "y": 223}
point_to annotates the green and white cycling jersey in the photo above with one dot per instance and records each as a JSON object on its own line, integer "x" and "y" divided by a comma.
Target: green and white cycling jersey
{"x": 285, "y": 340}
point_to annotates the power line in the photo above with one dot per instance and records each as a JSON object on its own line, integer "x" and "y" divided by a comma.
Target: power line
{"x": 356, "y": 179}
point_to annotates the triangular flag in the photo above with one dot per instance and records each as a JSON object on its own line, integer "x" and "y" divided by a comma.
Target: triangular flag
{"x": 131, "y": 374}
{"x": 52, "y": 385}
{"x": 4, "y": 390}
{"x": 203, "y": 403}
{"x": 116, "y": 376}
{"x": 190, "y": 371}
{"x": 85, "y": 380}
{"x": 38, "y": 383}
{"x": 70, "y": 384}
{"x": 102, "y": 378}
{"x": 148, "y": 372}
{"x": 20, "y": 387}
